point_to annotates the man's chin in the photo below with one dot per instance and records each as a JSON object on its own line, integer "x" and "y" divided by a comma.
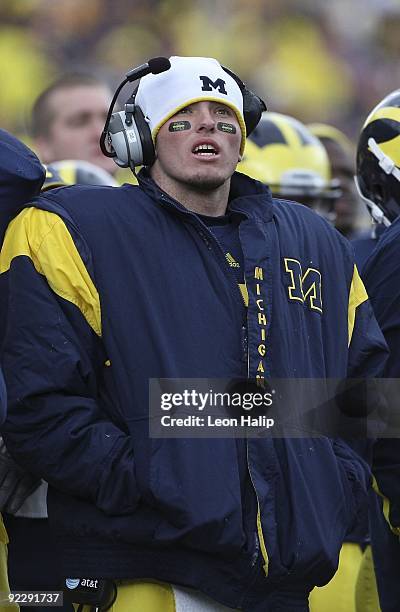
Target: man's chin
{"x": 205, "y": 183}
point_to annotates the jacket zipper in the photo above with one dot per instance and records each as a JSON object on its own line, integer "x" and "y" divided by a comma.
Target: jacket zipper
{"x": 260, "y": 534}
{"x": 202, "y": 233}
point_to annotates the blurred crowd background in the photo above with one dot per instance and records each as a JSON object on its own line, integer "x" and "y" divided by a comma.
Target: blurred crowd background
{"x": 318, "y": 60}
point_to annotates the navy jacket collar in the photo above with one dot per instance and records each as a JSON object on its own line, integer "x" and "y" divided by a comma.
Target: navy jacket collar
{"x": 247, "y": 196}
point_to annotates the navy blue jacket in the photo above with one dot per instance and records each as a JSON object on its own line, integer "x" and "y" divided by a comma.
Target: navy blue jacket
{"x": 21, "y": 177}
{"x": 112, "y": 286}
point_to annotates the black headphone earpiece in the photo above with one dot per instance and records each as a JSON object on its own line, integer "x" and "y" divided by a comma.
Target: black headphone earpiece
{"x": 253, "y": 105}
{"x": 127, "y": 137}
{"x": 148, "y": 151}
{"x": 253, "y": 108}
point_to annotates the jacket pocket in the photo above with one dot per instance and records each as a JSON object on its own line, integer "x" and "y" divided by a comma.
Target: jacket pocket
{"x": 194, "y": 484}
{"x": 306, "y": 506}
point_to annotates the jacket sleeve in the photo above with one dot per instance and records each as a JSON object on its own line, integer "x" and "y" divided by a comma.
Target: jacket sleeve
{"x": 361, "y": 398}
{"x": 360, "y": 394}
{"x": 58, "y": 426}
{"x": 368, "y": 351}
{"x": 382, "y": 279}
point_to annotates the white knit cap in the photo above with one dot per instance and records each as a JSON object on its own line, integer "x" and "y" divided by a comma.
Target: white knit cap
{"x": 189, "y": 80}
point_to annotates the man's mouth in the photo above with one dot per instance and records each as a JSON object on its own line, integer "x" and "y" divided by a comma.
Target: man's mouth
{"x": 205, "y": 150}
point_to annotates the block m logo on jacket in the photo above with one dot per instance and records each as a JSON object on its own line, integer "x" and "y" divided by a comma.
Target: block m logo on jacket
{"x": 305, "y": 286}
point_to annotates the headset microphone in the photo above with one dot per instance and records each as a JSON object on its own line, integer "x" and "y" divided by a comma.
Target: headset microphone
{"x": 153, "y": 66}
{"x": 127, "y": 132}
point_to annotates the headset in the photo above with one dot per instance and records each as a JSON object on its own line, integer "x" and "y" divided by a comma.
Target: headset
{"x": 126, "y": 136}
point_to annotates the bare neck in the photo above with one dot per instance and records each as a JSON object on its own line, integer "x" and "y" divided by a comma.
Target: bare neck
{"x": 208, "y": 202}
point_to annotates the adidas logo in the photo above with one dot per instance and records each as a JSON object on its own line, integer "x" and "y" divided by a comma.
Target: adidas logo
{"x": 232, "y": 261}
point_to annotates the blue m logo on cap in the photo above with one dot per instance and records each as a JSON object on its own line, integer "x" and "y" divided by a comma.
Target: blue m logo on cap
{"x": 209, "y": 85}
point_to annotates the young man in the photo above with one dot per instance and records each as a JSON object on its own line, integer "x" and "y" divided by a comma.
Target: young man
{"x": 67, "y": 120}
{"x": 139, "y": 283}
{"x": 378, "y": 177}
{"x": 21, "y": 177}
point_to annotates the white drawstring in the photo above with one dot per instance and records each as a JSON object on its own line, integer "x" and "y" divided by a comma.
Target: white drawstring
{"x": 385, "y": 162}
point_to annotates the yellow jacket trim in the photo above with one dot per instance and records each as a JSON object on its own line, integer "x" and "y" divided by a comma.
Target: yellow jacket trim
{"x": 386, "y": 506}
{"x": 357, "y": 296}
{"x": 43, "y": 237}
{"x": 245, "y": 293}
{"x": 262, "y": 541}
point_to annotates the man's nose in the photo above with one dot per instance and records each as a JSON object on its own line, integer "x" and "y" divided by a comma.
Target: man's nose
{"x": 206, "y": 120}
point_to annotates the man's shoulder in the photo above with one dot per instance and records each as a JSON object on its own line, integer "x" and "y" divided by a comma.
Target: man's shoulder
{"x": 301, "y": 211}
{"x": 307, "y": 235}
{"x": 82, "y": 200}
{"x": 307, "y": 220}
{"x": 88, "y": 193}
